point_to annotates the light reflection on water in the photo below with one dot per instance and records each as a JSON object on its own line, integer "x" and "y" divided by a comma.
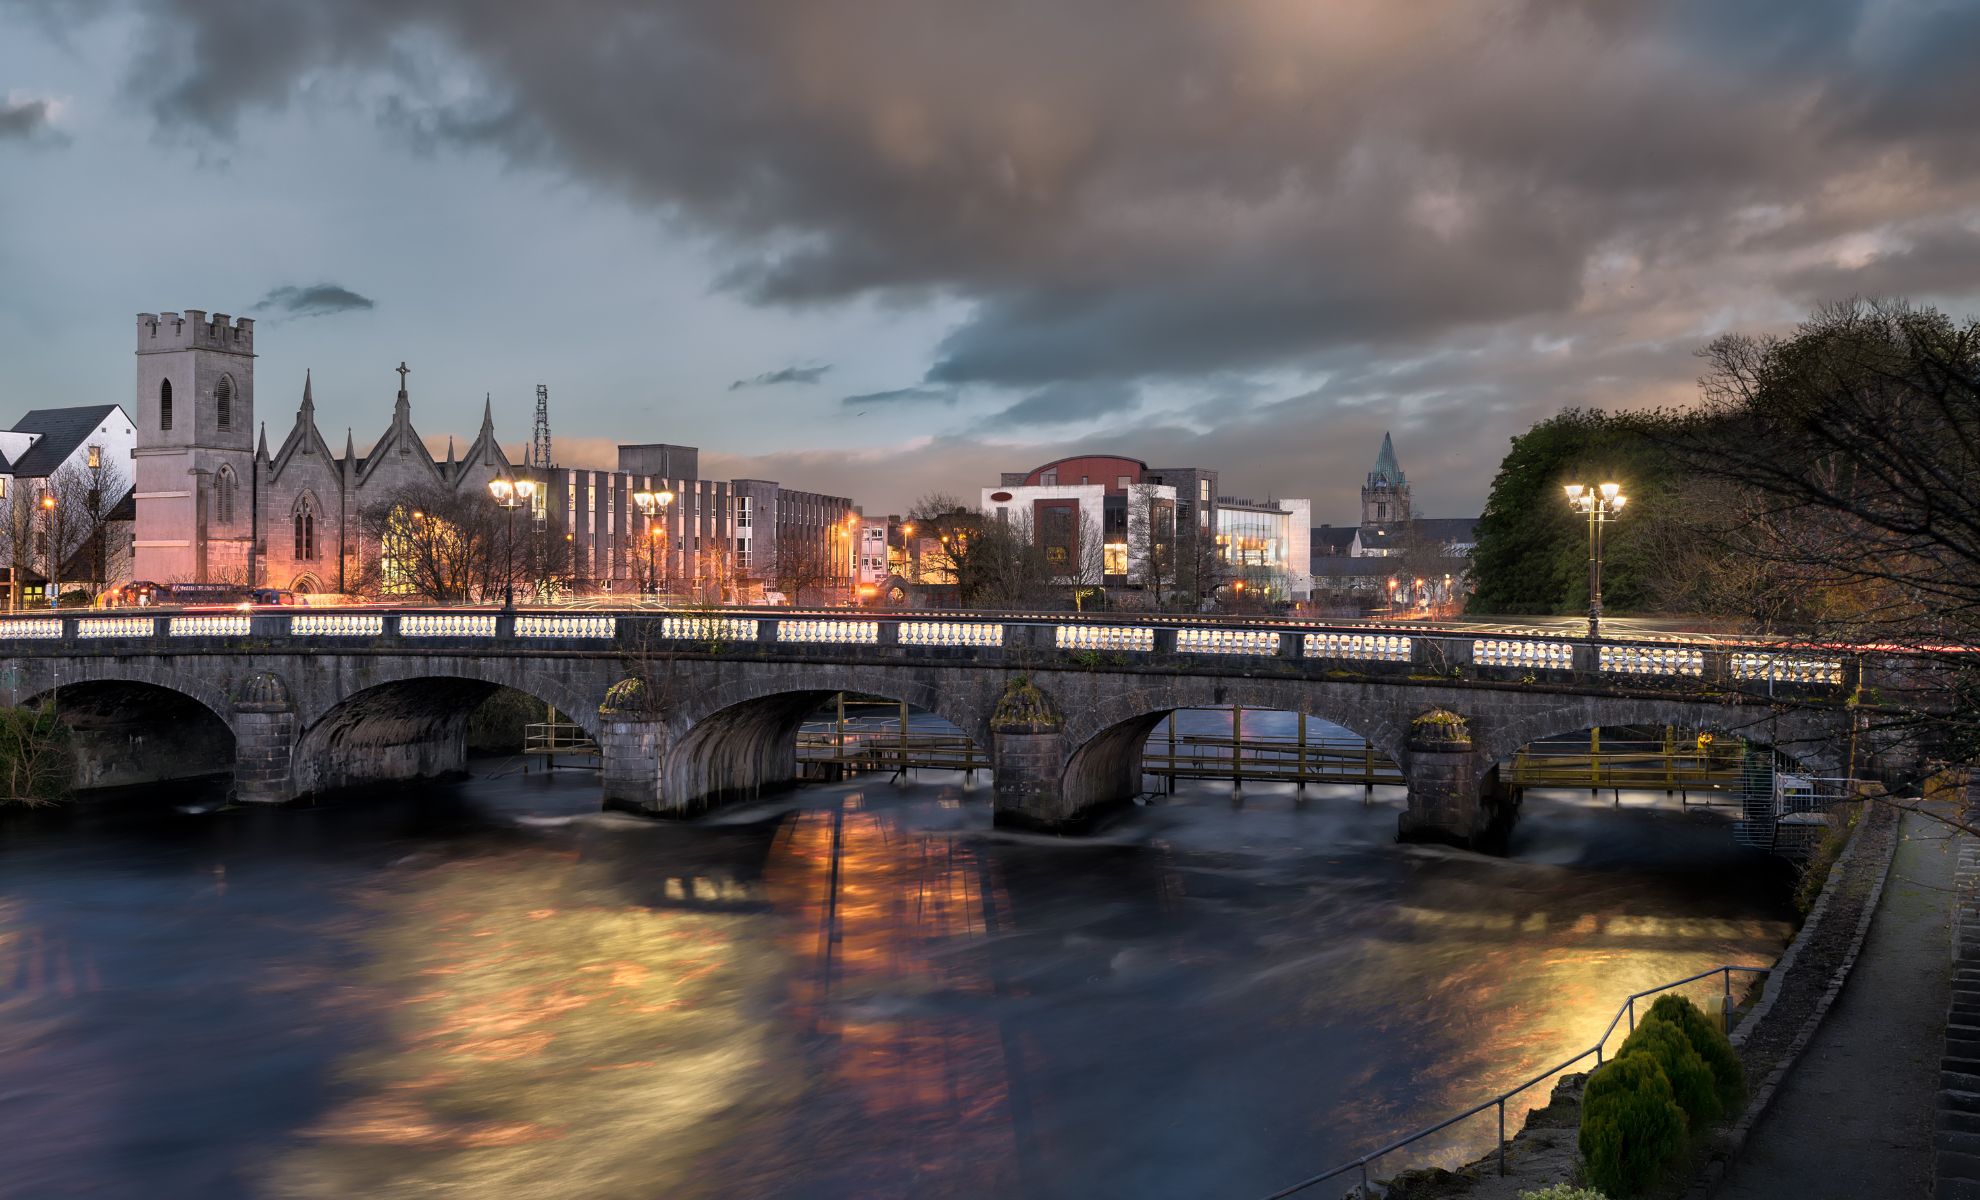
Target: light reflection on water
{"x": 862, "y": 991}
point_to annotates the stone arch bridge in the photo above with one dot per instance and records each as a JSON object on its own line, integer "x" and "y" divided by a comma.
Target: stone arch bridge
{"x": 691, "y": 711}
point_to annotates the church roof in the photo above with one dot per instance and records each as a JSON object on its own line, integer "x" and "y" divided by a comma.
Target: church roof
{"x": 1387, "y": 469}
{"x": 1332, "y": 539}
{"x": 60, "y": 431}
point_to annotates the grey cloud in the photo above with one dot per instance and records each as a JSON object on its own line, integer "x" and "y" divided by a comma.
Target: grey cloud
{"x": 1935, "y": 262}
{"x": 23, "y": 118}
{"x": 315, "y": 300}
{"x": 1066, "y": 404}
{"x": 782, "y": 375}
{"x": 1236, "y": 187}
{"x": 906, "y": 395}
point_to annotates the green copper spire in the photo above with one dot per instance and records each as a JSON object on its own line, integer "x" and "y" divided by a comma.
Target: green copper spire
{"x": 1387, "y": 470}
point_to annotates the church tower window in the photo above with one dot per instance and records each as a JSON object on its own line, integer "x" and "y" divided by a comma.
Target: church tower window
{"x": 223, "y": 400}
{"x": 165, "y": 404}
{"x": 305, "y": 531}
{"x": 223, "y": 496}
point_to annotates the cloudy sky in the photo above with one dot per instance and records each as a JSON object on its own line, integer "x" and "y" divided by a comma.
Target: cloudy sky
{"x": 884, "y": 247}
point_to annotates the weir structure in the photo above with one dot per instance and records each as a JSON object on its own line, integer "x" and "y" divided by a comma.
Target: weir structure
{"x": 694, "y": 710}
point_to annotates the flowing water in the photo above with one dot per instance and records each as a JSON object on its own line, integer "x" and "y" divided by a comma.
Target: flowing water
{"x": 488, "y": 989}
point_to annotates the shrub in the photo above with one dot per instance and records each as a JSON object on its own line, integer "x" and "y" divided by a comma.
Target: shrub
{"x": 1631, "y": 1127}
{"x": 1711, "y": 1044}
{"x": 37, "y": 763}
{"x": 1563, "y": 1191}
{"x": 1692, "y": 1084}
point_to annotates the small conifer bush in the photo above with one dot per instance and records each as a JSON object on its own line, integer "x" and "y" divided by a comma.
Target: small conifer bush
{"x": 1692, "y": 1084}
{"x": 1563, "y": 1191}
{"x": 1710, "y": 1042}
{"x": 1631, "y": 1125}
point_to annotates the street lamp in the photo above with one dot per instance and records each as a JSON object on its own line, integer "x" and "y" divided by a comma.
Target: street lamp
{"x": 651, "y": 504}
{"x": 48, "y": 544}
{"x": 511, "y": 494}
{"x": 1602, "y": 504}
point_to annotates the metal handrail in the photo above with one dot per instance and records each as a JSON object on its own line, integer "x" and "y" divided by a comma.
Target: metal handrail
{"x": 1628, "y": 1009}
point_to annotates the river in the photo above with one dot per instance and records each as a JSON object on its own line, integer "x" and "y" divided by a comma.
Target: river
{"x": 488, "y": 989}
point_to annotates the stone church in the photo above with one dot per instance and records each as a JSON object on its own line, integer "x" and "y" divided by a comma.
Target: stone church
{"x": 215, "y": 506}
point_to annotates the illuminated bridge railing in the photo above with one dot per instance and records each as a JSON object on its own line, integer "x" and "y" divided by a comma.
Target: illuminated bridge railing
{"x": 1227, "y": 641}
{"x": 1105, "y": 637}
{"x": 854, "y": 633}
{"x": 950, "y": 633}
{"x": 1542, "y": 656}
{"x": 1651, "y": 660}
{"x": 587, "y": 626}
{"x": 1786, "y": 668}
{"x": 708, "y": 629}
{"x": 336, "y": 625}
{"x": 116, "y": 627}
{"x": 1356, "y": 647}
{"x": 230, "y": 625}
{"x": 449, "y": 625}
{"x": 41, "y": 627}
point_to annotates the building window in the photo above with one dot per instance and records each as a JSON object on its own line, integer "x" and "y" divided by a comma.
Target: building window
{"x": 95, "y": 457}
{"x": 223, "y": 401}
{"x": 1203, "y": 491}
{"x": 165, "y": 405}
{"x": 1116, "y": 554}
{"x": 1049, "y": 479}
{"x": 743, "y": 513}
{"x": 1122, "y": 482}
{"x": 305, "y": 531}
{"x": 223, "y": 496}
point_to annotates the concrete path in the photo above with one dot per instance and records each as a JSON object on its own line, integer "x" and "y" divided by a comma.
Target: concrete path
{"x": 1854, "y": 1117}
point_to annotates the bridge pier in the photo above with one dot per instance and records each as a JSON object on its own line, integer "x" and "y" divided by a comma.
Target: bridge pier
{"x": 1449, "y": 802}
{"x": 630, "y": 749}
{"x": 1028, "y": 771}
{"x": 264, "y": 740}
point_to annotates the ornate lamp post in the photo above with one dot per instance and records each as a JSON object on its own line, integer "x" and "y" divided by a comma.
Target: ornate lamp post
{"x": 48, "y": 544}
{"x": 650, "y": 505}
{"x": 1602, "y": 504}
{"x": 511, "y": 494}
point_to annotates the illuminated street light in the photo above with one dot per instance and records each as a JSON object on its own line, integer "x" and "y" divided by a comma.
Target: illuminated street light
{"x": 651, "y": 505}
{"x": 511, "y": 494}
{"x": 1602, "y": 504}
{"x": 48, "y": 542}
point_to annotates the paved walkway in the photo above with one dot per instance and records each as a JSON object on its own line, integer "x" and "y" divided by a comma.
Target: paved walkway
{"x": 1854, "y": 1117}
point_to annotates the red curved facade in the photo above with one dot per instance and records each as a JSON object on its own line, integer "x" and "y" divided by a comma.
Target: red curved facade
{"x": 1117, "y": 474}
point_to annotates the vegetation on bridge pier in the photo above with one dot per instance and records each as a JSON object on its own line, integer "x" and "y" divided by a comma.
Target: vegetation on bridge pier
{"x": 36, "y": 764}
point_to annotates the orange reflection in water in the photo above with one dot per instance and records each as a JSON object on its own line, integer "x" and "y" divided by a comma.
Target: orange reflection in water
{"x": 889, "y": 928}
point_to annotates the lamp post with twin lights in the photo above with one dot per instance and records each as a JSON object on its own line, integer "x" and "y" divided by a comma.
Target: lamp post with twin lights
{"x": 651, "y": 505}
{"x": 1602, "y": 504}
{"x": 511, "y": 494}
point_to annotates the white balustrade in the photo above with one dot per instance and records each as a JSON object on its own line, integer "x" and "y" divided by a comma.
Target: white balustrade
{"x": 1652, "y": 660}
{"x": 471, "y": 625}
{"x": 1227, "y": 641}
{"x": 951, "y": 633}
{"x": 1106, "y": 637}
{"x": 708, "y": 629}
{"x": 588, "y": 626}
{"x": 829, "y": 631}
{"x": 40, "y": 627}
{"x": 336, "y": 625}
{"x": 232, "y": 625}
{"x": 1786, "y": 668}
{"x": 116, "y": 627}
{"x": 1361, "y": 647}
{"x": 1542, "y": 656}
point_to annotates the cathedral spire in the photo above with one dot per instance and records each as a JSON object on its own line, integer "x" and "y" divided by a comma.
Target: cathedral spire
{"x": 309, "y": 400}
{"x": 1387, "y": 469}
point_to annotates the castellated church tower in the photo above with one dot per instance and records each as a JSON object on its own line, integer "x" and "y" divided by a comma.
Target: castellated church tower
{"x": 194, "y": 461}
{"x": 1385, "y": 496}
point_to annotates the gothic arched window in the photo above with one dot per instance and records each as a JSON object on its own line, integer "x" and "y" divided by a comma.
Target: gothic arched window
{"x": 165, "y": 404}
{"x": 223, "y": 496}
{"x": 223, "y": 400}
{"x": 305, "y": 522}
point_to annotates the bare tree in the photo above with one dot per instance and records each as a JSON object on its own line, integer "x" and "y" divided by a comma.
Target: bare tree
{"x": 1837, "y": 465}
{"x": 85, "y": 495}
{"x": 803, "y": 568}
{"x": 450, "y": 546}
{"x": 1152, "y": 540}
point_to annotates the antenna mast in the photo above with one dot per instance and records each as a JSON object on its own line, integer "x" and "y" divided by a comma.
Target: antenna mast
{"x": 539, "y": 447}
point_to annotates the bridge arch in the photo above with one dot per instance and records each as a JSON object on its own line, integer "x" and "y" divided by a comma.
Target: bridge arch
{"x": 130, "y": 727}
{"x": 408, "y": 718}
{"x": 738, "y": 739}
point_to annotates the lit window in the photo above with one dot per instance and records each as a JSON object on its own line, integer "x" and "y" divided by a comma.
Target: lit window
{"x": 1116, "y": 554}
{"x": 95, "y": 457}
